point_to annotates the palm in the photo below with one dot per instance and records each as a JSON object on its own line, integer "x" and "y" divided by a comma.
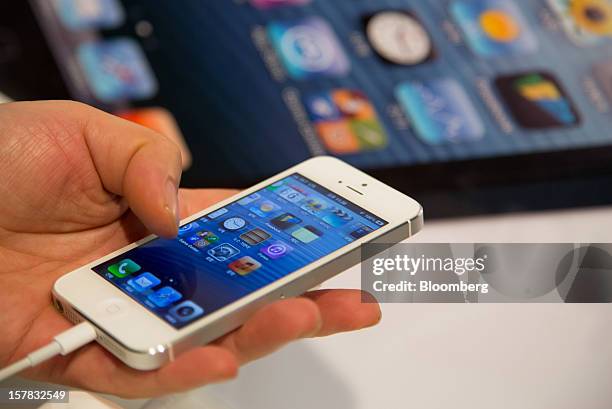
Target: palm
{"x": 59, "y": 163}
{"x": 32, "y": 263}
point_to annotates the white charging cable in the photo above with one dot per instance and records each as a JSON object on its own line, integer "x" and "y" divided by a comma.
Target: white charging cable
{"x": 63, "y": 344}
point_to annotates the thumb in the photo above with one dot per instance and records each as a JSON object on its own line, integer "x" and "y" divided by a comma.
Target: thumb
{"x": 138, "y": 164}
{"x": 60, "y": 160}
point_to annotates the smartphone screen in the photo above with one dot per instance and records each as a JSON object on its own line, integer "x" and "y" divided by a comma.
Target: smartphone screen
{"x": 379, "y": 83}
{"x": 238, "y": 249}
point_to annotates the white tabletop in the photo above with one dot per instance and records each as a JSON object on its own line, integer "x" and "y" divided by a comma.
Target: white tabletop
{"x": 453, "y": 356}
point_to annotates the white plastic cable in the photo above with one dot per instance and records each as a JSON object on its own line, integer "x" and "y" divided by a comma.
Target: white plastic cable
{"x": 64, "y": 343}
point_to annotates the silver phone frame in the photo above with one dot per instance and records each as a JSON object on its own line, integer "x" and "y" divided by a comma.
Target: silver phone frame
{"x": 233, "y": 315}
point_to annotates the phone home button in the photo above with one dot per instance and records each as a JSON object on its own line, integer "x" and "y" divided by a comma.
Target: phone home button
{"x": 112, "y": 306}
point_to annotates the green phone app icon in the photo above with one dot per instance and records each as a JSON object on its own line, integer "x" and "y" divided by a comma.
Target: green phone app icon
{"x": 124, "y": 268}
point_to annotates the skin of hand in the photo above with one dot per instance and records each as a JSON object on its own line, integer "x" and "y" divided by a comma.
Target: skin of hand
{"x": 76, "y": 184}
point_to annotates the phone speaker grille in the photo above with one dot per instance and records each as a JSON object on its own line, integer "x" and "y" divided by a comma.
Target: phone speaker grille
{"x": 73, "y": 316}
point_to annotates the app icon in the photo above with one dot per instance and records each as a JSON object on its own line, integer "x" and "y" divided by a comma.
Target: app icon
{"x": 90, "y": 14}
{"x": 309, "y": 48}
{"x": 165, "y": 296}
{"x": 276, "y": 186}
{"x": 268, "y": 4}
{"x": 265, "y": 207}
{"x": 440, "y": 111}
{"x": 117, "y": 70}
{"x": 536, "y": 100}
{"x": 586, "y": 22}
{"x": 276, "y": 250}
{"x": 286, "y": 221}
{"x": 291, "y": 195}
{"x": 186, "y": 311}
{"x": 399, "y": 37}
{"x": 189, "y": 228}
{"x": 602, "y": 72}
{"x": 203, "y": 239}
{"x": 223, "y": 252}
{"x": 337, "y": 217}
{"x": 307, "y": 234}
{"x": 234, "y": 223}
{"x": 361, "y": 231}
{"x": 193, "y": 239}
{"x": 315, "y": 206}
{"x": 162, "y": 121}
{"x": 217, "y": 213}
{"x": 124, "y": 268}
{"x": 143, "y": 282}
{"x": 200, "y": 244}
{"x": 255, "y": 236}
{"x": 494, "y": 28}
{"x": 210, "y": 237}
{"x": 346, "y": 121}
{"x": 244, "y": 265}
{"x": 249, "y": 199}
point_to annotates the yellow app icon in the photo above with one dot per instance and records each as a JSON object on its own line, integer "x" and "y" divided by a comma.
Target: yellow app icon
{"x": 586, "y": 22}
{"x": 540, "y": 91}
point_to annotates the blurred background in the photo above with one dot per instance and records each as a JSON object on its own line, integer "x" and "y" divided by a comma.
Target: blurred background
{"x": 473, "y": 107}
{"x": 470, "y": 106}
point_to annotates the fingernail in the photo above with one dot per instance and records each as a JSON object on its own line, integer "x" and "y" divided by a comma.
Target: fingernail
{"x": 172, "y": 199}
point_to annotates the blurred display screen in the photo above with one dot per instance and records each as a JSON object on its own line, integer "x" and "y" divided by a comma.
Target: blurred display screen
{"x": 259, "y": 85}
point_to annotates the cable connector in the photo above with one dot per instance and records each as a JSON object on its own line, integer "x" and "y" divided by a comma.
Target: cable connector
{"x": 63, "y": 344}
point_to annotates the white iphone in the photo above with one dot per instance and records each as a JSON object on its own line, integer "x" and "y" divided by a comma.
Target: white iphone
{"x": 156, "y": 298}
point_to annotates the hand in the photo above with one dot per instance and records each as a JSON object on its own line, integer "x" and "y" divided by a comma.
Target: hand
{"x": 76, "y": 184}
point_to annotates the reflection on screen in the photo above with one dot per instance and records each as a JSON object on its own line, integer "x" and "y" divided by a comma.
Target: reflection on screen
{"x": 238, "y": 249}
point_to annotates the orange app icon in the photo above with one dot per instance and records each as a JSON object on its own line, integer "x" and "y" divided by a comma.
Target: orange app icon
{"x": 338, "y": 137}
{"x": 354, "y": 105}
{"x": 162, "y": 121}
{"x": 346, "y": 121}
{"x": 244, "y": 265}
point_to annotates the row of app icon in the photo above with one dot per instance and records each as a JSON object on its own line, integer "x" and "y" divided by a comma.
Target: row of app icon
{"x": 195, "y": 234}
{"x": 344, "y": 119}
{"x": 224, "y": 252}
{"x": 273, "y": 249}
{"x": 330, "y": 214}
{"x": 491, "y": 27}
{"x": 440, "y": 110}
{"x": 145, "y": 283}
{"x": 308, "y": 47}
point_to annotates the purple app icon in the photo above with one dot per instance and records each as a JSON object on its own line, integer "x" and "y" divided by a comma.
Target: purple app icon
{"x": 276, "y": 250}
